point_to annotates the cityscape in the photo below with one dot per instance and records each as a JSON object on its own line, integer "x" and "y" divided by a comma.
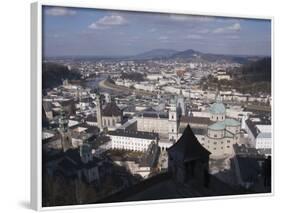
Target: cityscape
{"x": 141, "y": 106}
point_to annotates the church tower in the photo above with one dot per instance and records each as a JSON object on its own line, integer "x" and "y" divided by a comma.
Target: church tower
{"x": 64, "y": 132}
{"x": 181, "y": 106}
{"x": 173, "y": 121}
{"x": 99, "y": 109}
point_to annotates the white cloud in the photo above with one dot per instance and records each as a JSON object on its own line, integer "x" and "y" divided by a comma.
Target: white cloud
{"x": 163, "y": 38}
{"x": 228, "y": 29}
{"x": 233, "y": 37}
{"x": 191, "y": 18}
{"x": 60, "y": 11}
{"x": 193, "y": 36}
{"x": 203, "y": 31}
{"x": 108, "y": 21}
{"x": 152, "y": 30}
{"x": 235, "y": 27}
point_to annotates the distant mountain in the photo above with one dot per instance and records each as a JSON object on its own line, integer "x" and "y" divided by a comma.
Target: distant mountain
{"x": 155, "y": 54}
{"x": 192, "y": 55}
{"x": 196, "y": 55}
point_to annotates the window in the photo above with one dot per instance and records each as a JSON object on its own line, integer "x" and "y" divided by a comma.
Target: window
{"x": 215, "y": 148}
{"x": 228, "y": 146}
{"x": 215, "y": 135}
{"x": 228, "y": 141}
{"x": 215, "y": 143}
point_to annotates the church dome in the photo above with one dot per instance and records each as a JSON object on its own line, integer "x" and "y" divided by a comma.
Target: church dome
{"x": 217, "y": 108}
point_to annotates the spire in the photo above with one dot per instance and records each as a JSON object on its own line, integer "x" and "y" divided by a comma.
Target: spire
{"x": 173, "y": 102}
{"x": 218, "y": 98}
{"x": 180, "y": 93}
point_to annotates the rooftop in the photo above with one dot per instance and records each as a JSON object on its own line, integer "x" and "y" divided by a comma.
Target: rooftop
{"x": 154, "y": 114}
{"x": 111, "y": 109}
{"x": 189, "y": 146}
{"x": 197, "y": 120}
{"x": 134, "y": 134}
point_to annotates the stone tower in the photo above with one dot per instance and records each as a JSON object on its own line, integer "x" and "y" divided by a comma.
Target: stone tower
{"x": 181, "y": 106}
{"x": 99, "y": 111}
{"x": 65, "y": 134}
{"x": 173, "y": 121}
{"x": 189, "y": 160}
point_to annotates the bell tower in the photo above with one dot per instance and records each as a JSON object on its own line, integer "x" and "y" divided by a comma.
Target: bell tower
{"x": 64, "y": 132}
{"x": 99, "y": 114}
{"x": 173, "y": 121}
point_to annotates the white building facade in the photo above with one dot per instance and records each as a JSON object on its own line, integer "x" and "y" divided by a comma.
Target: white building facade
{"x": 132, "y": 140}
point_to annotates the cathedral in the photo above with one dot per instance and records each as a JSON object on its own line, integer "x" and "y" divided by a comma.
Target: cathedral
{"x": 216, "y": 132}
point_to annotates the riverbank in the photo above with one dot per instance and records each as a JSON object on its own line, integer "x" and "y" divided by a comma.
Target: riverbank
{"x": 107, "y": 85}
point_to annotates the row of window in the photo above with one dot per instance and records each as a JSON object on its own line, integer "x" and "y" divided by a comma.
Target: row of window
{"x": 128, "y": 148}
{"x": 136, "y": 140}
{"x": 215, "y": 148}
{"x": 107, "y": 122}
{"x": 213, "y": 117}
{"x": 129, "y": 144}
{"x": 228, "y": 141}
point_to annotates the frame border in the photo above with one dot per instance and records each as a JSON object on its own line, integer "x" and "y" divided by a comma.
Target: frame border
{"x": 36, "y": 100}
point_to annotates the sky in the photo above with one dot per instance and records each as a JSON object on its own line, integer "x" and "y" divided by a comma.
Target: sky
{"x": 95, "y": 32}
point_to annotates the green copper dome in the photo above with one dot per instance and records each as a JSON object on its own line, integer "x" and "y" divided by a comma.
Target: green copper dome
{"x": 217, "y": 108}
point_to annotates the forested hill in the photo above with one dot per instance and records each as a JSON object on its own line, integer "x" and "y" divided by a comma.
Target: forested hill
{"x": 252, "y": 78}
{"x": 256, "y": 71}
{"x": 53, "y": 75}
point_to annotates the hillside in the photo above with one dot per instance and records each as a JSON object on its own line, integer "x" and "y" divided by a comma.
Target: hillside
{"x": 191, "y": 55}
{"x": 155, "y": 54}
{"x": 54, "y": 74}
{"x": 256, "y": 71}
{"x": 253, "y": 78}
